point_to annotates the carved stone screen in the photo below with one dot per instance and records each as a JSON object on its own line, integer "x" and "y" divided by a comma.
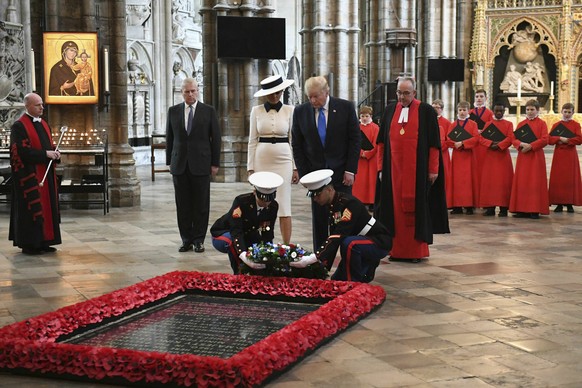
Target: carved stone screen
{"x": 196, "y": 324}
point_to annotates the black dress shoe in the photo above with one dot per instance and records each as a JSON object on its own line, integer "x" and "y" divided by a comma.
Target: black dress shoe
{"x": 559, "y": 209}
{"x": 489, "y": 212}
{"x": 48, "y": 249}
{"x": 185, "y": 248}
{"x": 502, "y": 212}
{"x": 401, "y": 260}
{"x": 521, "y": 215}
{"x": 198, "y": 247}
{"x": 570, "y": 208}
{"x": 457, "y": 210}
{"x": 534, "y": 216}
{"x": 31, "y": 251}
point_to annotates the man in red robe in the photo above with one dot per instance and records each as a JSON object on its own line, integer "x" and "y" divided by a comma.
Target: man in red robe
{"x": 565, "y": 182}
{"x": 34, "y": 215}
{"x": 410, "y": 199}
{"x": 496, "y": 179}
{"x": 529, "y": 191}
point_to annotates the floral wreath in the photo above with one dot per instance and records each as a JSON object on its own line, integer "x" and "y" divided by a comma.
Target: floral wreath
{"x": 277, "y": 257}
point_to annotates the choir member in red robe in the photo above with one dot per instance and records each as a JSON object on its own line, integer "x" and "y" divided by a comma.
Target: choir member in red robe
{"x": 529, "y": 191}
{"x": 410, "y": 198}
{"x": 481, "y": 115}
{"x": 34, "y": 213}
{"x": 565, "y": 182}
{"x": 497, "y": 172}
{"x": 444, "y": 123}
{"x": 464, "y": 180}
{"x": 365, "y": 184}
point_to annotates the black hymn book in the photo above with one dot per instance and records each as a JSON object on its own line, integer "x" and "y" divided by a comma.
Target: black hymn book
{"x": 525, "y": 134}
{"x": 477, "y": 119}
{"x": 562, "y": 131}
{"x": 459, "y": 134}
{"x": 491, "y": 132}
{"x": 366, "y": 145}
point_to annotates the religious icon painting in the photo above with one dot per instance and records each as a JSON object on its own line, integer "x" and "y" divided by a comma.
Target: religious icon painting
{"x": 71, "y": 68}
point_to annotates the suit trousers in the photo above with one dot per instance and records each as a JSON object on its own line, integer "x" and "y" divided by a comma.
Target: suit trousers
{"x": 320, "y": 219}
{"x": 192, "y": 193}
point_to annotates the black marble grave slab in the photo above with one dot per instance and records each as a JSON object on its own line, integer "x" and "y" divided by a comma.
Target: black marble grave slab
{"x": 204, "y": 325}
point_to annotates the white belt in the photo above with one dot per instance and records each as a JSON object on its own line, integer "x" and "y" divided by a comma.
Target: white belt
{"x": 368, "y": 226}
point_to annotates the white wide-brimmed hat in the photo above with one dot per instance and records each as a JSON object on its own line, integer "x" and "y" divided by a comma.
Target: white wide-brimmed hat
{"x": 315, "y": 181}
{"x": 266, "y": 183}
{"x": 273, "y": 84}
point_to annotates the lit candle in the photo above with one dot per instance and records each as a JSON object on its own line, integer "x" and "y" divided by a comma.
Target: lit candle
{"x": 33, "y": 71}
{"x": 519, "y": 88}
{"x": 552, "y": 88}
{"x": 106, "y": 69}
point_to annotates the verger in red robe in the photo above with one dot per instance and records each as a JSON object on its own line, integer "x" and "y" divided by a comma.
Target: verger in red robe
{"x": 497, "y": 172}
{"x": 464, "y": 180}
{"x": 529, "y": 191}
{"x": 34, "y": 215}
{"x": 407, "y": 203}
{"x": 565, "y": 181}
{"x": 444, "y": 128}
{"x": 364, "y": 187}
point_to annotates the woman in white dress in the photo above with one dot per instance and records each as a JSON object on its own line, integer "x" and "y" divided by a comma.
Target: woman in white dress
{"x": 270, "y": 144}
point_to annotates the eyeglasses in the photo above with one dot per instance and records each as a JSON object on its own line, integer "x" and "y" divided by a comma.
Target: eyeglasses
{"x": 405, "y": 93}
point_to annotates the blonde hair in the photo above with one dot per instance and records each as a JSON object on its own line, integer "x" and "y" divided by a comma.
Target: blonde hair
{"x": 318, "y": 83}
{"x": 366, "y": 110}
{"x": 463, "y": 104}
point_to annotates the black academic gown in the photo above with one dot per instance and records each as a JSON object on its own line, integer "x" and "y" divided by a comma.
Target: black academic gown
{"x": 430, "y": 200}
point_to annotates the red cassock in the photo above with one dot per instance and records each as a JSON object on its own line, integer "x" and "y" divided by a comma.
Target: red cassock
{"x": 497, "y": 168}
{"x": 364, "y": 187}
{"x": 444, "y": 128}
{"x": 529, "y": 191}
{"x": 485, "y": 115}
{"x": 404, "y": 141}
{"x": 565, "y": 181}
{"x": 464, "y": 179}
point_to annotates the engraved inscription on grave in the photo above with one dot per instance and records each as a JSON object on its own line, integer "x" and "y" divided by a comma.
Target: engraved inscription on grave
{"x": 197, "y": 324}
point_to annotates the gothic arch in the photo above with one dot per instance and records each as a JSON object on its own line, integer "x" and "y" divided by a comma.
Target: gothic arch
{"x": 502, "y": 38}
{"x": 138, "y": 52}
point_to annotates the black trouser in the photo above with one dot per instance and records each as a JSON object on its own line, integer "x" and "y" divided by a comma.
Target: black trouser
{"x": 192, "y": 193}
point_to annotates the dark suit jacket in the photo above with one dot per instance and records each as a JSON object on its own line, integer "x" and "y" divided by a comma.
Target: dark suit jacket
{"x": 342, "y": 141}
{"x": 200, "y": 149}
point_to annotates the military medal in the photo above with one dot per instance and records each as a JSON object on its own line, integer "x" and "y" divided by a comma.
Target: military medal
{"x": 268, "y": 228}
{"x": 402, "y": 131}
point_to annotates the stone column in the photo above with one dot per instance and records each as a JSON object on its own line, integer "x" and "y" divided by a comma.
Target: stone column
{"x": 125, "y": 189}
{"x": 330, "y": 44}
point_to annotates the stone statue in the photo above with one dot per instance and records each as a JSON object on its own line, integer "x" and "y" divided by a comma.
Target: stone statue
{"x": 533, "y": 80}
{"x": 509, "y": 83}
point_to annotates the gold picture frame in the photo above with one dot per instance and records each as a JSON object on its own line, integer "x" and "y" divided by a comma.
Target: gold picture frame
{"x": 71, "y": 68}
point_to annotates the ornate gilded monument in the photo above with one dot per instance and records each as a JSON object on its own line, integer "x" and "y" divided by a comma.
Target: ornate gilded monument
{"x": 523, "y": 49}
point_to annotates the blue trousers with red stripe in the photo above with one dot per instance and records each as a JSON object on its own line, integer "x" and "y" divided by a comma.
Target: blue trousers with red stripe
{"x": 223, "y": 244}
{"x": 360, "y": 258}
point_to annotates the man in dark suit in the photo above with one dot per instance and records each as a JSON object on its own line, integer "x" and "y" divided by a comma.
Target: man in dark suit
{"x": 326, "y": 134}
{"x": 193, "y": 154}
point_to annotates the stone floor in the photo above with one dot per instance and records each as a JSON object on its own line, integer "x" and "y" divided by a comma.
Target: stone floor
{"x": 499, "y": 302}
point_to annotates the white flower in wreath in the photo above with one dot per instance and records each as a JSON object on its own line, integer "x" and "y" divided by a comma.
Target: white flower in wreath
{"x": 293, "y": 255}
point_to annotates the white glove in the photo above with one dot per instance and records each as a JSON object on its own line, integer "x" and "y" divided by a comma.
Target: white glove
{"x": 304, "y": 261}
{"x": 252, "y": 264}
